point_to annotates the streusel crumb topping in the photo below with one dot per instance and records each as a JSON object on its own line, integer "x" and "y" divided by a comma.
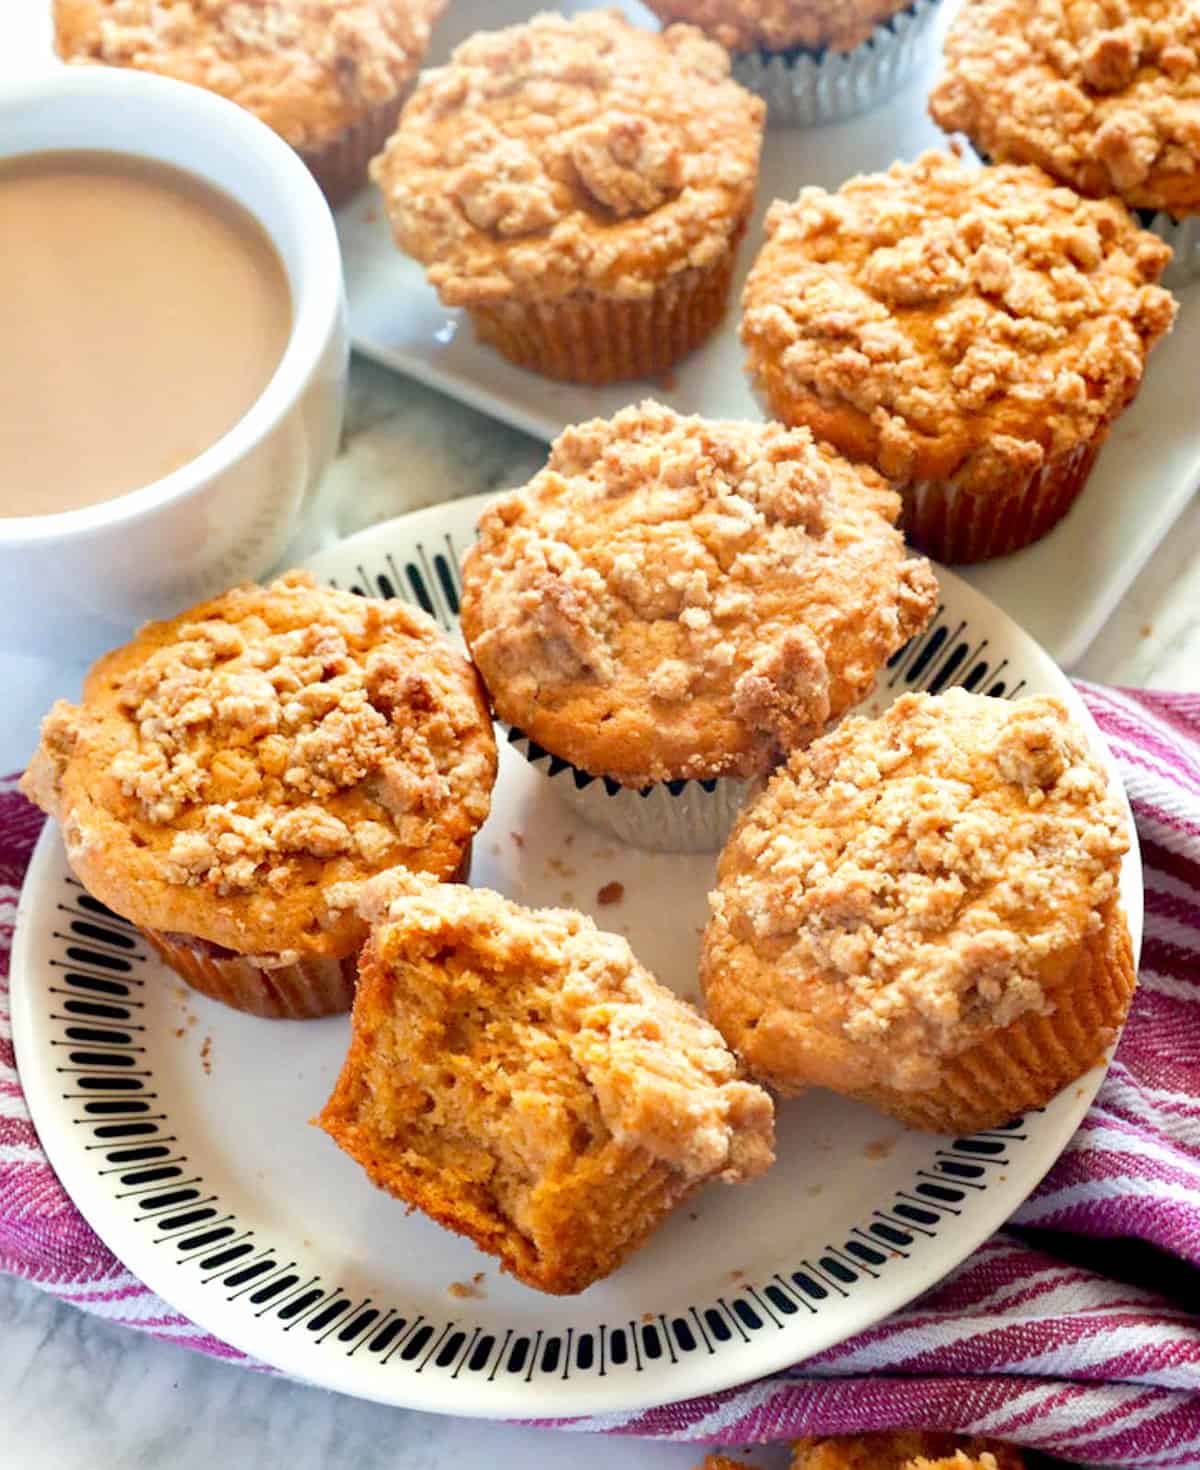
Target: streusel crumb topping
{"x": 1104, "y": 94}
{"x": 661, "y": 1076}
{"x": 954, "y": 323}
{"x": 563, "y": 154}
{"x": 780, "y": 25}
{"x": 269, "y": 742}
{"x": 305, "y": 67}
{"x": 913, "y": 881}
{"x": 673, "y": 597}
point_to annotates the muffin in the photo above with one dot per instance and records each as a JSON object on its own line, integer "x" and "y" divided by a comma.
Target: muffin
{"x": 814, "y": 61}
{"x": 673, "y": 604}
{"x": 229, "y": 773}
{"x": 580, "y": 187}
{"x": 904, "y": 1449}
{"x": 519, "y": 1077}
{"x": 329, "y": 76}
{"x": 1104, "y": 97}
{"x": 922, "y": 912}
{"x": 971, "y": 333}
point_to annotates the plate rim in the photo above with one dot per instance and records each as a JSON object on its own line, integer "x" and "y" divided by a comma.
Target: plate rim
{"x": 755, "y": 1359}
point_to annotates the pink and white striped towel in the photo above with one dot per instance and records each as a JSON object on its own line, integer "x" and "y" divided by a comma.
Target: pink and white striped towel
{"x": 1044, "y": 1340}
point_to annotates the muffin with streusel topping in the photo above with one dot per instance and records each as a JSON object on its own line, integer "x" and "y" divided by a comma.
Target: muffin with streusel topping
{"x": 580, "y": 187}
{"x": 904, "y": 1449}
{"x": 673, "y": 604}
{"x": 923, "y": 912}
{"x": 517, "y": 1075}
{"x": 898, "y": 1449}
{"x": 814, "y": 61}
{"x": 1105, "y": 98}
{"x": 230, "y": 776}
{"x": 970, "y": 333}
{"x": 329, "y": 76}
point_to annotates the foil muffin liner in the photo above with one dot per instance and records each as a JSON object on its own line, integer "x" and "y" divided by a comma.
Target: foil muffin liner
{"x": 804, "y": 89}
{"x": 668, "y": 816}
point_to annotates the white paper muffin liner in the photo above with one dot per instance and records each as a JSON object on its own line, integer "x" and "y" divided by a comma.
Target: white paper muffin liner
{"x": 669, "y": 816}
{"x": 1183, "y": 236}
{"x": 804, "y": 89}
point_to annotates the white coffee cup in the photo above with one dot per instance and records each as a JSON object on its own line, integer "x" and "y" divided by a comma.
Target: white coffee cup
{"x": 74, "y": 583}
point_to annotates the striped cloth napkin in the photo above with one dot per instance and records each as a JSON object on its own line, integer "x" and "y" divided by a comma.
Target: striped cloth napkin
{"x": 1065, "y": 1341}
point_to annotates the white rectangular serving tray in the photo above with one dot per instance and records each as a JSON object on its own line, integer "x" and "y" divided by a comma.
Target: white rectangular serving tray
{"x": 1061, "y": 590}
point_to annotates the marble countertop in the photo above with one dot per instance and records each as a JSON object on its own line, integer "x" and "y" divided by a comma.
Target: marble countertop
{"x": 74, "y": 1389}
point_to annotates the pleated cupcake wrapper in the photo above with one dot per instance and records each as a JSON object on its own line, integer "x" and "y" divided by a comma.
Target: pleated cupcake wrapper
{"x": 669, "y": 816}
{"x": 339, "y": 165}
{"x": 955, "y": 525}
{"x": 311, "y": 987}
{"x": 1026, "y": 1063}
{"x": 587, "y": 338}
{"x": 808, "y": 88}
{"x": 1183, "y": 236}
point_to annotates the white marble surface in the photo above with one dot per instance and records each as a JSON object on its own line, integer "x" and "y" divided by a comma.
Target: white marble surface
{"x": 73, "y": 1388}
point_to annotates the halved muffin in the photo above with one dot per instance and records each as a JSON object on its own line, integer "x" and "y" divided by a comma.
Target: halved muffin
{"x": 519, "y": 1077}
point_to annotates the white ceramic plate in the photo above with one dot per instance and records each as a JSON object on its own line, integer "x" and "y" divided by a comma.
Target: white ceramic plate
{"x": 1147, "y": 473}
{"x": 180, "y": 1128}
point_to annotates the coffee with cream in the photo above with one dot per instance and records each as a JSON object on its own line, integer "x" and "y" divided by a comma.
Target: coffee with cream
{"x": 142, "y": 313}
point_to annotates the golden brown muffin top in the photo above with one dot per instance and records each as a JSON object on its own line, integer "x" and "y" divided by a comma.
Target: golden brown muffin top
{"x": 659, "y": 1074}
{"x": 911, "y": 883}
{"x": 567, "y": 154}
{"x": 673, "y": 597}
{"x": 225, "y": 768}
{"x": 1104, "y": 94}
{"x": 904, "y": 1449}
{"x": 948, "y": 322}
{"x": 778, "y": 25}
{"x": 307, "y": 68}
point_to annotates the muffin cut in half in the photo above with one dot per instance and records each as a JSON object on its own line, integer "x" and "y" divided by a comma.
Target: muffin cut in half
{"x": 328, "y": 76}
{"x": 970, "y": 333}
{"x": 226, "y": 771}
{"x": 519, "y": 1077}
{"x": 580, "y": 186}
{"x": 681, "y": 600}
{"x": 922, "y": 911}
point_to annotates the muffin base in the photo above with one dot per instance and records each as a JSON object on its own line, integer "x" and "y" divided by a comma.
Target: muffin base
{"x": 668, "y": 816}
{"x": 339, "y": 165}
{"x": 312, "y": 987}
{"x": 804, "y": 88}
{"x": 953, "y": 525}
{"x": 593, "y": 339}
{"x": 1023, "y": 1065}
